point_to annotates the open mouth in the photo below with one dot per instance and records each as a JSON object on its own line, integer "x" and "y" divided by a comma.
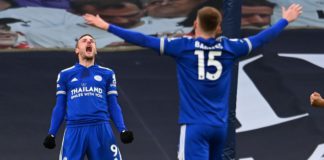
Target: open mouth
{"x": 88, "y": 49}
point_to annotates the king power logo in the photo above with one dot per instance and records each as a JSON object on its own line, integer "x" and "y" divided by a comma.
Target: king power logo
{"x": 254, "y": 112}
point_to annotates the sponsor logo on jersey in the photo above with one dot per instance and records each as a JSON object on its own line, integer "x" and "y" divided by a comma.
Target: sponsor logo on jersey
{"x": 86, "y": 91}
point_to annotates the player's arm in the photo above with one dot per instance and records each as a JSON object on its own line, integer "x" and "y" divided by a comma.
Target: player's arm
{"x": 288, "y": 15}
{"x": 129, "y": 36}
{"x": 115, "y": 111}
{"x": 316, "y": 100}
{"x": 58, "y": 114}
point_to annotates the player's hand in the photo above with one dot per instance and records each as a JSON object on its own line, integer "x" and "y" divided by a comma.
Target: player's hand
{"x": 316, "y": 99}
{"x": 96, "y": 21}
{"x": 126, "y": 137}
{"x": 292, "y": 13}
{"x": 49, "y": 142}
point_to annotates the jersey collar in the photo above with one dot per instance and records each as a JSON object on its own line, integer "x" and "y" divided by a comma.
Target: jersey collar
{"x": 209, "y": 41}
{"x": 81, "y": 66}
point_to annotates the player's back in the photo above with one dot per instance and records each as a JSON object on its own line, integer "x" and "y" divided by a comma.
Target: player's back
{"x": 204, "y": 69}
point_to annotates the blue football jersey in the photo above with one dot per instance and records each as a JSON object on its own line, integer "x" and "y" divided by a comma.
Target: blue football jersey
{"x": 204, "y": 75}
{"x": 86, "y": 90}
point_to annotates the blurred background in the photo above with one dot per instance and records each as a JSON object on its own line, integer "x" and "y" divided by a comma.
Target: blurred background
{"x": 270, "y": 117}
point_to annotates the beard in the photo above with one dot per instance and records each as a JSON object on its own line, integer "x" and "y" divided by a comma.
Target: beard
{"x": 86, "y": 57}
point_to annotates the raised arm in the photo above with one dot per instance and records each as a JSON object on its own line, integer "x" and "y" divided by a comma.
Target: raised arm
{"x": 129, "y": 36}
{"x": 288, "y": 15}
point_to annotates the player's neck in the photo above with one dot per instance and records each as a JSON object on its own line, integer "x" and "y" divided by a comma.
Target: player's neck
{"x": 204, "y": 35}
{"x": 86, "y": 63}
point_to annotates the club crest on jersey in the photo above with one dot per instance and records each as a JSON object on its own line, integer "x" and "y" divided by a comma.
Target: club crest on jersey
{"x": 74, "y": 80}
{"x": 98, "y": 78}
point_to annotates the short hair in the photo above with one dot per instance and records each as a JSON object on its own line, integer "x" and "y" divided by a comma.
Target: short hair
{"x": 209, "y": 18}
{"x": 77, "y": 39}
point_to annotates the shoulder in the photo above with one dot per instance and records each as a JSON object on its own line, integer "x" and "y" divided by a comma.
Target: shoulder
{"x": 68, "y": 70}
{"x": 222, "y": 38}
{"x": 226, "y": 39}
{"x": 105, "y": 70}
{"x": 65, "y": 72}
{"x": 234, "y": 41}
{"x": 182, "y": 38}
{"x": 178, "y": 42}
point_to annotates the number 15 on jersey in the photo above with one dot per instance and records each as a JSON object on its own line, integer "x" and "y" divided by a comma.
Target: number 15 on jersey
{"x": 211, "y": 61}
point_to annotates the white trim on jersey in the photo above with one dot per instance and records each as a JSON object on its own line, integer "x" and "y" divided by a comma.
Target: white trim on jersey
{"x": 120, "y": 157}
{"x": 66, "y": 69}
{"x": 162, "y": 46}
{"x": 181, "y": 152}
{"x": 60, "y": 92}
{"x": 61, "y": 151}
{"x": 249, "y": 44}
{"x": 105, "y": 68}
{"x": 112, "y": 92}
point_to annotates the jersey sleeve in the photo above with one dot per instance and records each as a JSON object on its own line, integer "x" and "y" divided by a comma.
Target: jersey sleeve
{"x": 135, "y": 37}
{"x": 116, "y": 113}
{"x": 112, "y": 85}
{"x": 239, "y": 47}
{"x": 268, "y": 34}
{"x": 60, "y": 85}
{"x": 58, "y": 112}
{"x": 172, "y": 46}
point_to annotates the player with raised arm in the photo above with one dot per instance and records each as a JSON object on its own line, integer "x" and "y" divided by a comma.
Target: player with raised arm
{"x": 87, "y": 97}
{"x": 204, "y": 65}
